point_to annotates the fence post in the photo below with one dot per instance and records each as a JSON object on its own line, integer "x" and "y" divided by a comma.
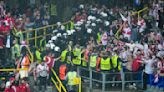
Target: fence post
{"x": 35, "y": 38}
{"x": 90, "y": 81}
{"x": 27, "y": 37}
{"x": 80, "y": 86}
{"x": 103, "y": 82}
{"x": 142, "y": 79}
{"x": 59, "y": 87}
{"x": 78, "y": 71}
{"x": 123, "y": 80}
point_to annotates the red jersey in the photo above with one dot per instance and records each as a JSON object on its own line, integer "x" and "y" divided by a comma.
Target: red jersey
{"x": 9, "y": 90}
{"x": 24, "y": 88}
{"x": 136, "y": 65}
{"x": 49, "y": 61}
{"x": 1, "y": 43}
{"x": 86, "y": 55}
{"x": 10, "y": 21}
{"x": 4, "y": 28}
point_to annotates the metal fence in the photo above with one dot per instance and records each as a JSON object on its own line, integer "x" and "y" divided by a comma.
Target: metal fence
{"x": 109, "y": 78}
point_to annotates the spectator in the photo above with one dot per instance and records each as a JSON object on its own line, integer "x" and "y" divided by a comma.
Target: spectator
{"x": 24, "y": 86}
{"x": 62, "y": 74}
{"x": 42, "y": 71}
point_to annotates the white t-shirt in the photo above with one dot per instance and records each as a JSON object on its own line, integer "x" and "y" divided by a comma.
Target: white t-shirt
{"x": 131, "y": 46}
{"x": 104, "y": 39}
{"x": 8, "y": 42}
{"x": 149, "y": 69}
{"x": 42, "y": 70}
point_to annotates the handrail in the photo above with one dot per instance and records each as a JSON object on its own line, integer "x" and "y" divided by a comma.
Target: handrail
{"x": 39, "y": 36}
{"x": 35, "y": 38}
{"x": 11, "y": 70}
{"x": 31, "y": 55}
{"x": 55, "y": 83}
{"x": 60, "y": 83}
{"x": 48, "y": 26}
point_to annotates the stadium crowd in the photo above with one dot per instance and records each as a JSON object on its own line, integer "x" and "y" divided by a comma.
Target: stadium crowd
{"x": 88, "y": 40}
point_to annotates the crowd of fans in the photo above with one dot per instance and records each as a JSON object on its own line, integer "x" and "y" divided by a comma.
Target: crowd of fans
{"x": 89, "y": 40}
{"x": 12, "y": 45}
{"x": 139, "y": 46}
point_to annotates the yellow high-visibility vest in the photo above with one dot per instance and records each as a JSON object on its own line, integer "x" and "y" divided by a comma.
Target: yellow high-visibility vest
{"x": 42, "y": 44}
{"x": 93, "y": 60}
{"x": 114, "y": 61}
{"x": 105, "y": 64}
{"x": 77, "y": 53}
{"x": 99, "y": 37}
{"x": 38, "y": 56}
{"x": 71, "y": 76}
{"x": 63, "y": 55}
{"x": 71, "y": 25}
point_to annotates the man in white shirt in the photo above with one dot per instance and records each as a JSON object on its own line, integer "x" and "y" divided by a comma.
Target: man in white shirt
{"x": 149, "y": 69}
{"x": 42, "y": 71}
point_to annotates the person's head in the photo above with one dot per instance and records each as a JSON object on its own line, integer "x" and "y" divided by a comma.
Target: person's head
{"x": 27, "y": 20}
{"x": 70, "y": 43}
{"x": 131, "y": 42}
{"x": 140, "y": 18}
{"x": 24, "y": 80}
{"x": 24, "y": 50}
{"x": 9, "y": 14}
{"x": 42, "y": 63}
{"x": 77, "y": 45}
{"x": 12, "y": 79}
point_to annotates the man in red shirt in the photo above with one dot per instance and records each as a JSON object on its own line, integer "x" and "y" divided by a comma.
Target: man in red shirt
{"x": 24, "y": 86}
{"x": 136, "y": 63}
{"x": 9, "y": 20}
{"x": 8, "y": 87}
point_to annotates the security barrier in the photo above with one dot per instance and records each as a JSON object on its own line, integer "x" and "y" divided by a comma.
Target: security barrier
{"x": 105, "y": 78}
{"x": 134, "y": 13}
{"x": 38, "y": 33}
{"x": 12, "y": 70}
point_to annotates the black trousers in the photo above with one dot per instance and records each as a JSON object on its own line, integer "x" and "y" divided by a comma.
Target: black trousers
{"x": 8, "y": 53}
{"x": 145, "y": 80}
{"x": 42, "y": 82}
{"x": 2, "y": 56}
